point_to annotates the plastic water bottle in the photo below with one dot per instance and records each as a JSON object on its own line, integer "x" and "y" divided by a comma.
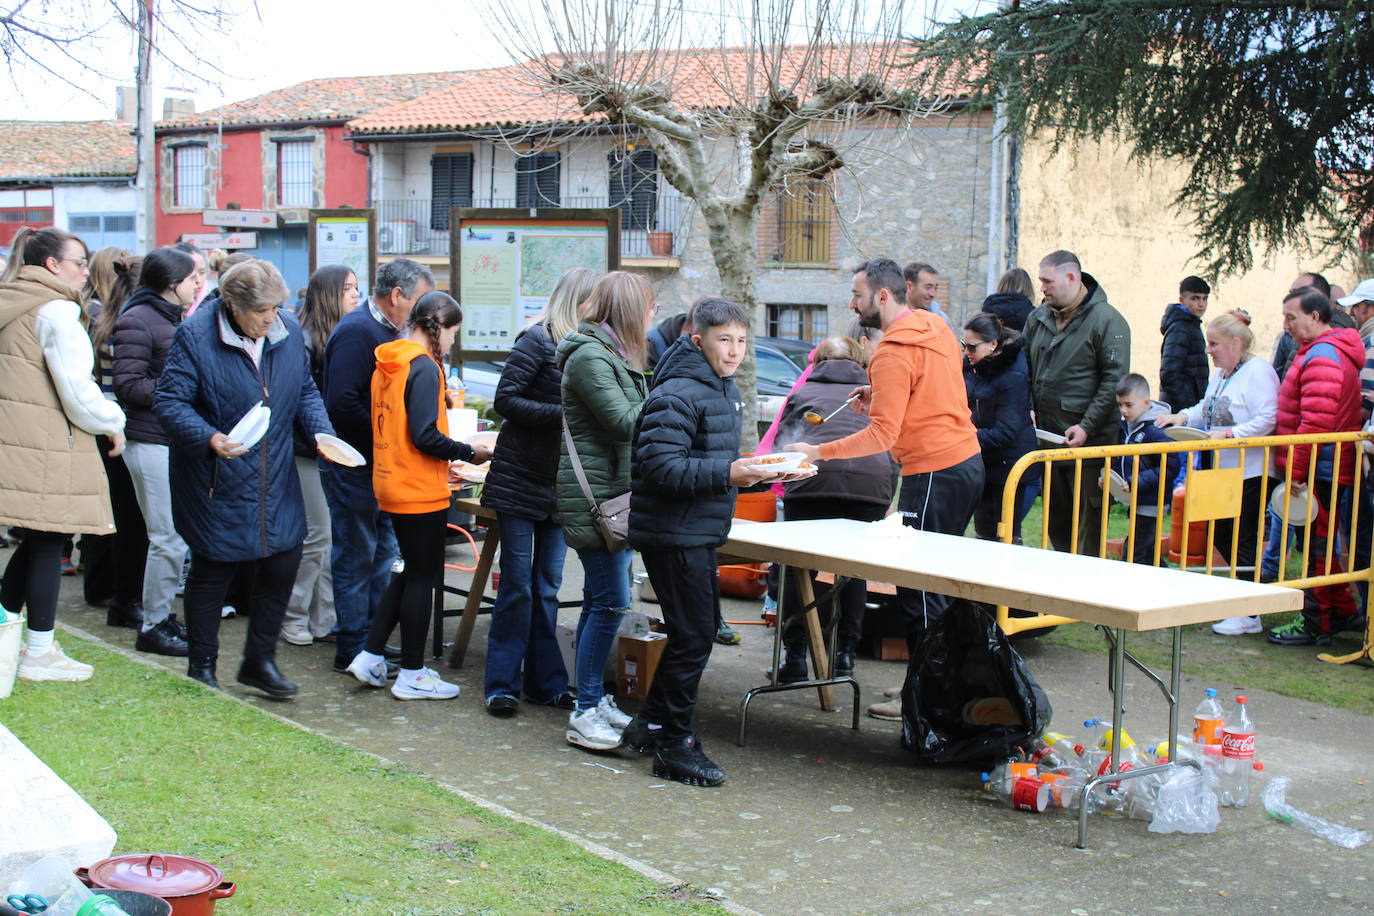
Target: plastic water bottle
{"x": 1208, "y": 719}
{"x": 1237, "y": 755}
{"x": 1007, "y": 773}
{"x": 1022, "y": 793}
{"x": 1054, "y": 750}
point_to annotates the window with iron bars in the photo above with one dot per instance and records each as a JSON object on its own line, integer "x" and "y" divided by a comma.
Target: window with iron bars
{"x": 798, "y": 322}
{"x": 295, "y": 173}
{"x": 805, "y": 213}
{"x": 188, "y": 170}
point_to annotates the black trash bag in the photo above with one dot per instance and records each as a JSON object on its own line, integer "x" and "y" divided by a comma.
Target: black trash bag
{"x": 968, "y": 697}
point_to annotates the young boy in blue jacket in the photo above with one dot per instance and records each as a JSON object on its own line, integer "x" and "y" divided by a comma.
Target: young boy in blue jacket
{"x": 684, "y": 474}
{"x": 1137, "y": 425}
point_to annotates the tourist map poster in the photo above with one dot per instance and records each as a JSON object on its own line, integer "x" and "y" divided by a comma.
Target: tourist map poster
{"x": 344, "y": 237}
{"x": 507, "y": 269}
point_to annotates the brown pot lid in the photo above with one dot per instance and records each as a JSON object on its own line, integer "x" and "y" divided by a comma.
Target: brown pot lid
{"x": 157, "y": 874}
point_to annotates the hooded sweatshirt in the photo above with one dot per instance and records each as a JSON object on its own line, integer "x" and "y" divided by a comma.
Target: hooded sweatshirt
{"x": 410, "y": 444}
{"x": 919, "y": 407}
{"x": 1139, "y": 432}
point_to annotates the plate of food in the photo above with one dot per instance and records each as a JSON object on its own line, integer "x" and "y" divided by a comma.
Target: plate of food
{"x": 1185, "y": 433}
{"x": 1044, "y": 435}
{"x": 250, "y": 429}
{"x": 466, "y": 470}
{"x": 778, "y": 461}
{"x": 803, "y": 471}
{"x": 338, "y": 451}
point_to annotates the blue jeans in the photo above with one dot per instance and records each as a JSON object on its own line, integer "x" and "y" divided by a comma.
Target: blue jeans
{"x": 364, "y": 547}
{"x": 526, "y": 612}
{"x": 605, "y": 598}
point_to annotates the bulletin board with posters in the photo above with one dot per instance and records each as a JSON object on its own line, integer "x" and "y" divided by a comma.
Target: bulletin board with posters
{"x": 346, "y": 236}
{"x": 504, "y": 264}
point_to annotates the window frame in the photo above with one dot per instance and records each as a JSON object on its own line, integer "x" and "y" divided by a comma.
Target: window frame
{"x": 182, "y": 175}
{"x": 805, "y": 222}
{"x": 807, "y": 313}
{"x": 305, "y": 189}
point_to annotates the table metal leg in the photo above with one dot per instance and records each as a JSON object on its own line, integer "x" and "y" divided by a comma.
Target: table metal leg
{"x": 476, "y": 591}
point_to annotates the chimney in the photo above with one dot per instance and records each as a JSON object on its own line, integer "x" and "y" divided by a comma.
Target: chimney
{"x": 126, "y": 104}
{"x": 172, "y": 109}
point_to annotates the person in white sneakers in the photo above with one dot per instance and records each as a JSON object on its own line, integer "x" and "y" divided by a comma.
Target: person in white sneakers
{"x": 1242, "y": 399}
{"x": 52, "y": 482}
{"x": 411, "y": 452}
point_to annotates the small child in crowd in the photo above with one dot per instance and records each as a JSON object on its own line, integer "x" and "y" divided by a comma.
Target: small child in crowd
{"x": 686, "y": 468}
{"x": 1138, "y": 415}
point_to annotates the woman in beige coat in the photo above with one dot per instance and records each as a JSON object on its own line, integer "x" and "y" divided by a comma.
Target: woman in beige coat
{"x": 52, "y": 483}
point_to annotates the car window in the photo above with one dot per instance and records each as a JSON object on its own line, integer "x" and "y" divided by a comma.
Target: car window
{"x": 775, "y": 368}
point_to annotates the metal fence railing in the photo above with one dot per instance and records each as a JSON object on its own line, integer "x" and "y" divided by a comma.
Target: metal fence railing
{"x": 1208, "y": 496}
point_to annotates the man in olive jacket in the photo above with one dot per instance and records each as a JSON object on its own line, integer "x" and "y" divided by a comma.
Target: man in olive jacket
{"x": 1078, "y": 348}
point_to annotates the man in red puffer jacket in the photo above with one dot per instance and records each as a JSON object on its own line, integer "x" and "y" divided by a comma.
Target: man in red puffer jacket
{"x": 1320, "y": 394}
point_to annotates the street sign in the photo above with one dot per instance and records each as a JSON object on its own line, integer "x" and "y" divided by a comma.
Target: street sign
{"x": 249, "y": 219}
{"x": 207, "y": 240}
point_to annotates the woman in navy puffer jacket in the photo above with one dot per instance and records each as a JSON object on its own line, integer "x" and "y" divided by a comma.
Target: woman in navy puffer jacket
{"x": 240, "y": 510}
{"x": 998, "y": 384}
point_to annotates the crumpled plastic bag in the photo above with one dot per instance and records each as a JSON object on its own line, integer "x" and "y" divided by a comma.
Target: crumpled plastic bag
{"x": 1185, "y": 804}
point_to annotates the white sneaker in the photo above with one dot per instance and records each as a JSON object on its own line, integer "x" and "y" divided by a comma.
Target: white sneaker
{"x": 1237, "y": 626}
{"x": 228, "y": 611}
{"x": 426, "y": 686}
{"x": 611, "y": 713}
{"x": 588, "y": 729}
{"x": 373, "y": 674}
{"x": 53, "y": 665}
{"x": 296, "y": 635}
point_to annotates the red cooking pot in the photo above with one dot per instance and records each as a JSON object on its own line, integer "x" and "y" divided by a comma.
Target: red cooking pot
{"x": 189, "y": 885}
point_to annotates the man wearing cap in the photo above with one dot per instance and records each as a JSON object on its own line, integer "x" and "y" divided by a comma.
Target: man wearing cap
{"x": 1360, "y": 304}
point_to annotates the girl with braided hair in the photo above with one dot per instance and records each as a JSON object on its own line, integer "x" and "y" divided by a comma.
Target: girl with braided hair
{"x": 411, "y": 454}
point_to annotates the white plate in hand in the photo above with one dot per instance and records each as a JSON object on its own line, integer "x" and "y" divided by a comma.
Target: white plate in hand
{"x": 778, "y": 461}
{"x": 338, "y": 451}
{"x": 1185, "y": 433}
{"x": 1044, "y": 435}
{"x": 248, "y": 431}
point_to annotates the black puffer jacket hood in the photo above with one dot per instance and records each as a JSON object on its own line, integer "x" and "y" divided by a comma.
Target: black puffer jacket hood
{"x": 142, "y": 336}
{"x": 999, "y": 401}
{"x": 1011, "y": 309}
{"x": 687, "y": 437}
{"x": 524, "y": 466}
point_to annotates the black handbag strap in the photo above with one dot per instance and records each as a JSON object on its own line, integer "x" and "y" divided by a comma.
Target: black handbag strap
{"x": 577, "y": 468}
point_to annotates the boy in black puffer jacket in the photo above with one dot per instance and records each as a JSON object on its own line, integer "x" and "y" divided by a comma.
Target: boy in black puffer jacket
{"x": 685, "y": 471}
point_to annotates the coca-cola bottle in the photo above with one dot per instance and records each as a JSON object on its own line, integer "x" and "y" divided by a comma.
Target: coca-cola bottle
{"x": 1055, "y": 750}
{"x": 1237, "y": 756}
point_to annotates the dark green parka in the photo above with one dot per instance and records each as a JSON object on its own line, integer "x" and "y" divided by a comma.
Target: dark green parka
{"x": 602, "y": 398}
{"x": 1074, "y": 372}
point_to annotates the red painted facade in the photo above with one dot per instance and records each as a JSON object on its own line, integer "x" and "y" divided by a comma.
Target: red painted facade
{"x": 345, "y": 177}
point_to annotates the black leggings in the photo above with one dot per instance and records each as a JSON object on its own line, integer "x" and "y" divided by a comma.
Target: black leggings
{"x": 34, "y": 577}
{"x": 409, "y": 598}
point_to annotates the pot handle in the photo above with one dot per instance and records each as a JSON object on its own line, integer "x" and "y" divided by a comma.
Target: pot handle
{"x": 148, "y": 865}
{"x": 225, "y": 889}
{"x": 83, "y": 874}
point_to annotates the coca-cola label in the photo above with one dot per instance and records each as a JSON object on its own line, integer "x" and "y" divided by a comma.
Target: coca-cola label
{"x": 1029, "y": 795}
{"x": 1238, "y": 746}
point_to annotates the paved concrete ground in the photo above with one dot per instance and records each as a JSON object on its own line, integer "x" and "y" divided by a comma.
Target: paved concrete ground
{"x": 816, "y": 818}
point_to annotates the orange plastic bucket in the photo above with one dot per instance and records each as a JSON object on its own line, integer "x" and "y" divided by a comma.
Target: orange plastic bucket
{"x": 747, "y": 580}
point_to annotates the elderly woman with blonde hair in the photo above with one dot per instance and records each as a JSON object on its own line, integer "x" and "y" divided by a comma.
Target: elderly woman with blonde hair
{"x": 238, "y": 504}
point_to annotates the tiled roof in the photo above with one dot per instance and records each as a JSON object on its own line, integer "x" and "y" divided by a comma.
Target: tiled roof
{"x": 66, "y": 149}
{"x": 697, "y": 79}
{"x": 320, "y": 100}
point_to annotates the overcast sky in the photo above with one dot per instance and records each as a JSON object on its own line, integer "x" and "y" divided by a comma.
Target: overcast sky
{"x": 287, "y": 41}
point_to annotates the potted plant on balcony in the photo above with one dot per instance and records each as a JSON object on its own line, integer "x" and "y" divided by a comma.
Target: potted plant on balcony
{"x": 661, "y": 244}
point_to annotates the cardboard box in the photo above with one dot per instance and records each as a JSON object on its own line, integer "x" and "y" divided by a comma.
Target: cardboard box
{"x": 639, "y": 656}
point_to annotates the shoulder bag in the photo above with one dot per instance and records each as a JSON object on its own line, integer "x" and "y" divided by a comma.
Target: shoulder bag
{"x": 612, "y": 517}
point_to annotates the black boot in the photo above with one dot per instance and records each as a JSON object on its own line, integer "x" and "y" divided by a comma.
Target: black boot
{"x": 162, "y": 639}
{"x": 844, "y": 659}
{"x": 262, "y": 674}
{"x": 793, "y": 667}
{"x": 639, "y": 737}
{"x": 684, "y": 761}
{"x": 124, "y": 615}
{"x": 203, "y": 670}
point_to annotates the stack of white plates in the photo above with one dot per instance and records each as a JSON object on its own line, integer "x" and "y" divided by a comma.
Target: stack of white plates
{"x": 248, "y": 431}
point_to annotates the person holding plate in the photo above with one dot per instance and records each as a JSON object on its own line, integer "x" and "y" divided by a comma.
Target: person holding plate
{"x": 238, "y": 503}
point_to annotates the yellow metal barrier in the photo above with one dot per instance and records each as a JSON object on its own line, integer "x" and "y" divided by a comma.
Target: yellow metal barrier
{"x": 1209, "y": 495}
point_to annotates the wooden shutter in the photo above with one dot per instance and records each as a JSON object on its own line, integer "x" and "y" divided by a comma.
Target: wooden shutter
{"x": 536, "y": 180}
{"x": 633, "y": 180}
{"x": 451, "y": 186}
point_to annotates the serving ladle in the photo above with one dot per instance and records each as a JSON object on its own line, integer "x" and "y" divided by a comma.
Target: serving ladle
{"x": 816, "y": 419}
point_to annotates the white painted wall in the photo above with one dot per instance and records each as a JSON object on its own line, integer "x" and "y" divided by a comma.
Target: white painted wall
{"x": 90, "y": 198}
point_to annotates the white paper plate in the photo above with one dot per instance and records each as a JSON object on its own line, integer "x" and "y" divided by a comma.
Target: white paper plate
{"x": 250, "y": 430}
{"x": 338, "y": 451}
{"x": 778, "y": 461}
{"x": 1300, "y": 509}
{"x": 1185, "y": 433}
{"x": 1044, "y": 435}
{"x": 1117, "y": 486}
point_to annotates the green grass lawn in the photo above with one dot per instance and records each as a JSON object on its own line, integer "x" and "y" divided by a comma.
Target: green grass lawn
{"x": 304, "y": 825}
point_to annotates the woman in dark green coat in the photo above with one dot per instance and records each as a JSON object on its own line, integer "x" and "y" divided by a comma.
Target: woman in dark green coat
{"x": 603, "y": 390}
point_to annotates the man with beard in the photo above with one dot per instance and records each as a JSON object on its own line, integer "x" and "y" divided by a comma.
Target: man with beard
{"x": 918, "y": 410}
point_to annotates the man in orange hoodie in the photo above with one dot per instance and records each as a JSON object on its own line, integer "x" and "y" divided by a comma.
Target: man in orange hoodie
{"x": 918, "y": 410}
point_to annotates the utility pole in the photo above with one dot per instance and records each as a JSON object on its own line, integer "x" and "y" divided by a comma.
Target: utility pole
{"x": 145, "y": 185}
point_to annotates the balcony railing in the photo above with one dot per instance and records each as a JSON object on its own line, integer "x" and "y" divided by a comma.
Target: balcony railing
{"x": 408, "y": 226}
